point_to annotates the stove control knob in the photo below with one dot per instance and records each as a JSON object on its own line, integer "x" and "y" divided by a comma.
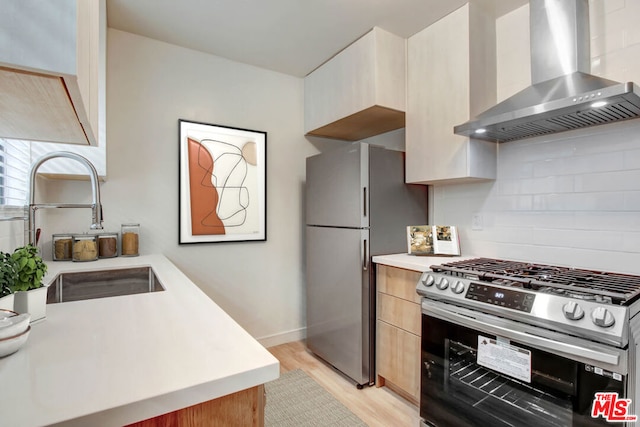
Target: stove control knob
{"x": 573, "y": 311}
{"x": 442, "y": 284}
{"x": 428, "y": 280}
{"x": 458, "y": 287}
{"x": 602, "y": 317}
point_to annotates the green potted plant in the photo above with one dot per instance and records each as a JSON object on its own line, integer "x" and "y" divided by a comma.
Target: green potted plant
{"x": 8, "y": 277}
{"x": 30, "y": 292}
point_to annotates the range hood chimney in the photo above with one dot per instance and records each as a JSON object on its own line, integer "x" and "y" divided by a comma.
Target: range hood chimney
{"x": 563, "y": 95}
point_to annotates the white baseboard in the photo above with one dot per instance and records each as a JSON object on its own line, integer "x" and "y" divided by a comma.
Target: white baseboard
{"x": 283, "y": 337}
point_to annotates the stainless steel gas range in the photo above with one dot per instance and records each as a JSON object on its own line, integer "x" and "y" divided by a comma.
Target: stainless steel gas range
{"x": 508, "y": 343}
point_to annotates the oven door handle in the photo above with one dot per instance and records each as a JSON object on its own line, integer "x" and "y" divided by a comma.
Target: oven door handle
{"x": 581, "y": 352}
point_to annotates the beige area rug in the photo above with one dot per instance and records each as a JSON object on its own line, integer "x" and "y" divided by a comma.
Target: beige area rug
{"x": 295, "y": 399}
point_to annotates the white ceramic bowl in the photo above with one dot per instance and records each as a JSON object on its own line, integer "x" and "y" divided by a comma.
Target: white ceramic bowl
{"x": 12, "y": 344}
{"x": 11, "y": 326}
{"x": 7, "y": 313}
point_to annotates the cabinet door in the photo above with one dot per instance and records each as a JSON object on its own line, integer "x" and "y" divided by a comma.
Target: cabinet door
{"x": 91, "y": 79}
{"x": 243, "y": 408}
{"x": 398, "y": 358}
{"x": 450, "y": 77}
{"x": 52, "y": 98}
{"x": 360, "y": 92}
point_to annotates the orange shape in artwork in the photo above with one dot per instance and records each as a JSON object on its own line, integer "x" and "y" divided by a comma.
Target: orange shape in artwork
{"x": 204, "y": 195}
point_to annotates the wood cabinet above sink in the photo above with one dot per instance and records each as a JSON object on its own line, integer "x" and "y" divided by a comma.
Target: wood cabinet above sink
{"x": 49, "y": 66}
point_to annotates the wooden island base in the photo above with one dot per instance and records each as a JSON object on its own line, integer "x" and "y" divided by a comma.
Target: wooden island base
{"x": 244, "y": 408}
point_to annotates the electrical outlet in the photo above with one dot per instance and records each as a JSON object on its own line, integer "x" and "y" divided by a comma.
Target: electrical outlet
{"x": 476, "y": 221}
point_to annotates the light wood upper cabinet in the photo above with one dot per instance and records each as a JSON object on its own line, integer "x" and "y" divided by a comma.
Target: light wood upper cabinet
{"x": 49, "y": 70}
{"x": 360, "y": 92}
{"x": 450, "y": 78}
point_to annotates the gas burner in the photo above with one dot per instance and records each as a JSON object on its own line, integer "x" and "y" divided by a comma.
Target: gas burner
{"x": 576, "y": 294}
{"x": 531, "y": 270}
{"x": 616, "y": 288}
{"x": 512, "y": 283}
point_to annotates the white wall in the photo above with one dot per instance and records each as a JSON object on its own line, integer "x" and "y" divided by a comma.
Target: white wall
{"x": 571, "y": 199}
{"x": 150, "y": 85}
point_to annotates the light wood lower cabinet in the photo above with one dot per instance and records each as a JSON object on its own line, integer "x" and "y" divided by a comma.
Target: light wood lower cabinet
{"x": 398, "y": 331}
{"x": 399, "y": 313}
{"x": 244, "y": 408}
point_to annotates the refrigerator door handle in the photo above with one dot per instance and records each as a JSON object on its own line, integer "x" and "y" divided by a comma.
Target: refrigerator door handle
{"x": 365, "y": 256}
{"x": 364, "y": 201}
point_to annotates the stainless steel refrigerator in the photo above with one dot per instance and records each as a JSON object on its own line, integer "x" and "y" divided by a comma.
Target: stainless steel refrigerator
{"x": 357, "y": 206}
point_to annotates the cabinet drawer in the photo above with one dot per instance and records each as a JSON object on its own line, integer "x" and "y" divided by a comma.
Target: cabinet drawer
{"x": 398, "y": 282}
{"x": 398, "y": 358}
{"x": 399, "y": 312}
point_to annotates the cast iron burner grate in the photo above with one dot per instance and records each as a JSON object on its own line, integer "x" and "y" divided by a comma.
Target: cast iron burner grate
{"x": 616, "y": 288}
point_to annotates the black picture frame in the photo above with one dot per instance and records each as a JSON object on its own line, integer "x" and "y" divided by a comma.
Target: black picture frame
{"x": 222, "y": 183}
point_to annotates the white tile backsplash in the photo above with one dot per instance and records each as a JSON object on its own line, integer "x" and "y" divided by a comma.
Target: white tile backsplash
{"x": 632, "y": 201}
{"x": 607, "y": 43}
{"x": 617, "y": 65}
{"x": 630, "y": 241}
{"x": 514, "y": 202}
{"x": 570, "y": 199}
{"x": 608, "y": 221}
{"x": 576, "y": 238}
{"x": 542, "y": 185}
{"x": 601, "y": 201}
{"x": 631, "y": 159}
{"x": 575, "y": 165}
{"x": 620, "y": 180}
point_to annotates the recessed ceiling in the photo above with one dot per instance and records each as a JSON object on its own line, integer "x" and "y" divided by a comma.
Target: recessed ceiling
{"x": 289, "y": 36}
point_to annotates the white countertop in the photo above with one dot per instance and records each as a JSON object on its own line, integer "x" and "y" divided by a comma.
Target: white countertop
{"x": 416, "y": 262}
{"x": 114, "y": 361}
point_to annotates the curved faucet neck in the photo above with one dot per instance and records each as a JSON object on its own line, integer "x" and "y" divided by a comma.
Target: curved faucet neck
{"x": 96, "y": 205}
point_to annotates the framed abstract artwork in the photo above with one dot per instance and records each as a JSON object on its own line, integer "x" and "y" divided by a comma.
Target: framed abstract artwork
{"x": 222, "y": 191}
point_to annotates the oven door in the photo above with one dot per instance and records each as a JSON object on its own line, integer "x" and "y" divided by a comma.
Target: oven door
{"x": 483, "y": 370}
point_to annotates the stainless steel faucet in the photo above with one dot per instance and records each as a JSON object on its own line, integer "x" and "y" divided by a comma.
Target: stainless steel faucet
{"x": 96, "y": 206}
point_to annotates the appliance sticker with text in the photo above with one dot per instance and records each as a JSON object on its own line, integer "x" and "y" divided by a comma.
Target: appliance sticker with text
{"x": 610, "y": 407}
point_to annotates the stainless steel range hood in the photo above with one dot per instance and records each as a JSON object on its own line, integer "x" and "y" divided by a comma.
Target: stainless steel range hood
{"x": 563, "y": 95}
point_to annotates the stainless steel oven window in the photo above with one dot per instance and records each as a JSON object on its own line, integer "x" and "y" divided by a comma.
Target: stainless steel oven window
{"x": 457, "y": 391}
{"x": 500, "y": 396}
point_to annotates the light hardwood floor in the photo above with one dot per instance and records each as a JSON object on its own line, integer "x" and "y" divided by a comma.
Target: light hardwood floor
{"x": 375, "y": 406}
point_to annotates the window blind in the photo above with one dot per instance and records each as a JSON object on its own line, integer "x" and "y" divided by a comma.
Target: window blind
{"x": 15, "y": 162}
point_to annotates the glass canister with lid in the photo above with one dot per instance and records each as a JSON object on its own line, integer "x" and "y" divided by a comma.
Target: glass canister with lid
{"x": 107, "y": 245}
{"x": 129, "y": 239}
{"x": 62, "y": 247}
{"x": 85, "y": 247}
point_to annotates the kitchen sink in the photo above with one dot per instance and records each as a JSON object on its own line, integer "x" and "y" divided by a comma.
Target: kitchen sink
{"x": 85, "y": 285}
